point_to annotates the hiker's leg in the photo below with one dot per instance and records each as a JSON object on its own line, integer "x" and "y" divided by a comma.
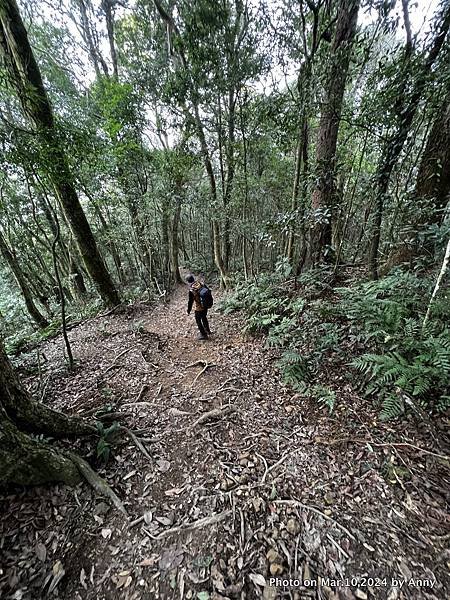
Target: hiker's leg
{"x": 198, "y": 320}
{"x": 205, "y": 321}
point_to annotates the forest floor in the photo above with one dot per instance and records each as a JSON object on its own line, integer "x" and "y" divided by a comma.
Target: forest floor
{"x": 267, "y": 485}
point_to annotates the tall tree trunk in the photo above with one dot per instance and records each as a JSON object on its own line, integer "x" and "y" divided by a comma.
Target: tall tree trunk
{"x": 218, "y": 257}
{"x": 229, "y": 178}
{"x": 21, "y": 279}
{"x": 94, "y": 53}
{"x": 26, "y": 78}
{"x": 406, "y": 110}
{"x": 323, "y": 197}
{"x": 431, "y": 192}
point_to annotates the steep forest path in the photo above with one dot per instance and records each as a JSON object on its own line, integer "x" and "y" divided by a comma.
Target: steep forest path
{"x": 244, "y": 480}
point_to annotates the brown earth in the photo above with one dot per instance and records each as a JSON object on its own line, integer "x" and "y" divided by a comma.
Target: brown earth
{"x": 267, "y": 485}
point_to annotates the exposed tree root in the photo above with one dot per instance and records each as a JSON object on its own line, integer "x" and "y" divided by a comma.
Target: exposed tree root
{"x": 204, "y": 522}
{"x": 97, "y": 482}
{"x": 215, "y": 413}
{"x": 137, "y": 441}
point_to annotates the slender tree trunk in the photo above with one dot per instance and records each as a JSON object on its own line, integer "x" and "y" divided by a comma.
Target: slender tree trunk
{"x": 323, "y": 197}
{"x": 174, "y": 246}
{"x": 26, "y": 78}
{"x": 94, "y": 53}
{"x": 172, "y": 29}
{"x": 32, "y": 309}
{"x": 229, "y": 178}
{"x": 107, "y": 8}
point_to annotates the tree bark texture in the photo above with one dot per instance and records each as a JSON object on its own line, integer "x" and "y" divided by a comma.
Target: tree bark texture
{"x": 24, "y": 460}
{"x": 323, "y": 196}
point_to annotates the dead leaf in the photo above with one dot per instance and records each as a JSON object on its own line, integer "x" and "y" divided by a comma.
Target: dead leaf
{"x": 162, "y": 465}
{"x": 173, "y": 492}
{"x": 257, "y": 579}
{"x": 106, "y": 533}
{"x": 171, "y": 558}
{"x": 58, "y": 574}
{"x": 150, "y": 561}
{"x": 41, "y": 551}
{"x": 164, "y": 520}
{"x": 83, "y": 578}
{"x": 217, "y": 579}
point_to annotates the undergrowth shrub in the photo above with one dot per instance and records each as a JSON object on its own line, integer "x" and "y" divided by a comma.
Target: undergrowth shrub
{"x": 407, "y": 364}
{"x": 404, "y": 365}
{"x": 273, "y": 307}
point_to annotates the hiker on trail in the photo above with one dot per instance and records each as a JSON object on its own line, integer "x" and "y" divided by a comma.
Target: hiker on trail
{"x": 201, "y": 298}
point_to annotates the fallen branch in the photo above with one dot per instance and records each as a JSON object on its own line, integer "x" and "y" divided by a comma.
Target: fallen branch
{"x": 113, "y": 365}
{"x": 282, "y": 459}
{"x": 111, "y": 416}
{"x": 142, "y": 391}
{"x": 205, "y": 368}
{"x": 111, "y": 311}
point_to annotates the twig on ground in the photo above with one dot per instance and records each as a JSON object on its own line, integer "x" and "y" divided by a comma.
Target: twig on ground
{"x": 317, "y": 511}
{"x": 205, "y": 368}
{"x": 111, "y": 311}
{"x": 114, "y": 363}
{"x": 379, "y": 444}
{"x": 110, "y": 416}
{"x": 195, "y": 364}
{"x": 334, "y": 542}
{"x": 142, "y": 391}
{"x": 282, "y": 459}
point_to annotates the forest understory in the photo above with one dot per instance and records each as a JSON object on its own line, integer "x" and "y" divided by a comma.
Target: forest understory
{"x": 244, "y": 479}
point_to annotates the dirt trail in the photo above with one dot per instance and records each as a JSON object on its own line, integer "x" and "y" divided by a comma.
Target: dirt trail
{"x": 265, "y": 485}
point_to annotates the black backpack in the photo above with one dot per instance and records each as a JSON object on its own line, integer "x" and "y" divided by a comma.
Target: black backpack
{"x": 206, "y": 298}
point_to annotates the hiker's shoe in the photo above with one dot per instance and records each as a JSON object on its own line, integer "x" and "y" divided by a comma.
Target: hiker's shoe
{"x": 202, "y": 337}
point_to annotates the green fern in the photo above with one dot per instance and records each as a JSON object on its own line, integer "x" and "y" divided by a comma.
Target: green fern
{"x": 294, "y": 369}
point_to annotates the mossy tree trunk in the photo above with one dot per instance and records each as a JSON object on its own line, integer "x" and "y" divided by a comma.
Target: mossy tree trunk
{"x": 26, "y": 461}
{"x": 431, "y": 193}
{"x": 23, "y": 459}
